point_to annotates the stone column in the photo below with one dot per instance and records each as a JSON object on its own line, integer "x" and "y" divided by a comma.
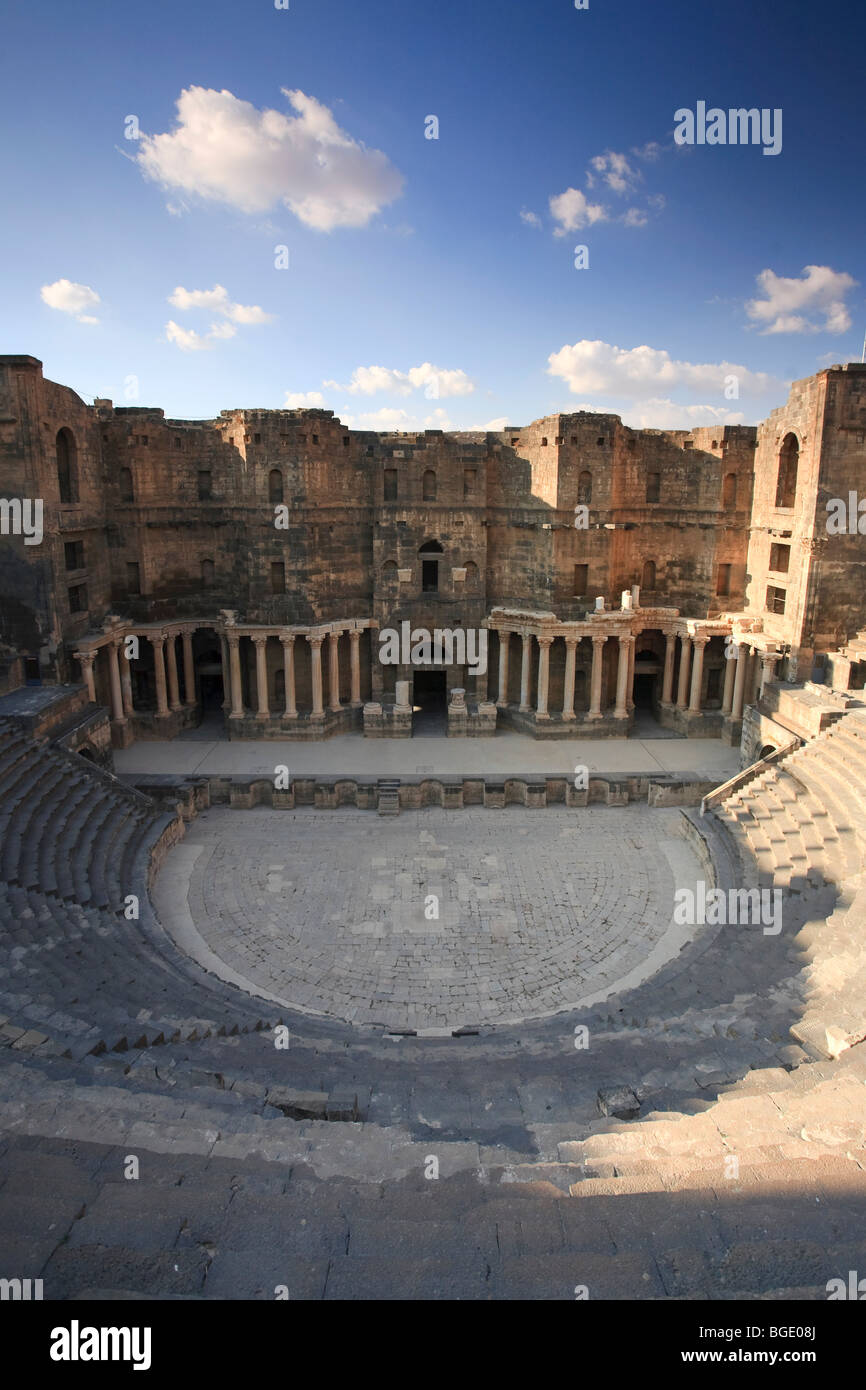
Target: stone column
{"x": 630, "y": 681}
{"x": 728, "y": 692}
{"x": 355, "y": 655}
{"x": 126, "y": 680}
{"x": 595, "y": 678}
{"x": 568, "y": 693}
{"x": 260, "y": 641}
{"x": 625, "y": 645}
{"x": 315, "y": 640}
{"x": 157, "y": 641}
{"x": 87, "y": 659}
{"x": 668, "y": 677}
{"x": 226, "y": 672}
{"x": 543, "y": 677}
{"x": 237, "y": 692}
{"x": 117, "y": 714}
{"x": 504, "y": 645}
{"x": 288, "y": 642}
{"x": 173, "y": 690}
{"x": 188, "y": 668}
{"x": 768, "y": 662}
{"x": 524, "y": 671}
{"x": 334, "y": 671}
{"x": 685, "y": 662}
{"x": 697, "y": 674}
{"x": 740, "y": 682}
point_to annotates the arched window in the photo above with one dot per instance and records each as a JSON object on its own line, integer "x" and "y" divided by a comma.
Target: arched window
{"x": 389, "y": 569}
{"x": 729, "y": 490}
{"x": 653, "y": 486}
{"x": 649, "y": 575}
{"x": 430, "y": 552}
{"x": 429, "y": 485}
{"x": 584, "y": 487}
{"x": 275, "y": 485}
{"x": 207, "y": 572}
{"x": 67, "y": 465}
{"x": 127, "y": 491}
{"x": 471, "y": 574}
{"x": 786, "y": 481}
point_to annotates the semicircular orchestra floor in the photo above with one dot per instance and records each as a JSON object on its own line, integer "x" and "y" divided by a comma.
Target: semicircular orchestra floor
{"x": 433, "y": 919}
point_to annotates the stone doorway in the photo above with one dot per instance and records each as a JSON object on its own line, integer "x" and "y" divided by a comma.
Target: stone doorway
{"x": 430, "y": 704}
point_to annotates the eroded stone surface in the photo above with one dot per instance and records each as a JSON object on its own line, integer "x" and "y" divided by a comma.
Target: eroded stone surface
{"x": 434, "y": 922}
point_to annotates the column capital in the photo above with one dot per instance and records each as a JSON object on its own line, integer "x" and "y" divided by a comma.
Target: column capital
{"x": 544, "y": 641}
{"x": 316, "y": 639}
{"x": 288, "y": 638}
{"x": 598, "y": 639}
{"x": 156, "y": 638}
{"x": 260, "y": 638}
{"x": 701, "y": 639}
{"x": 86, "y": 658}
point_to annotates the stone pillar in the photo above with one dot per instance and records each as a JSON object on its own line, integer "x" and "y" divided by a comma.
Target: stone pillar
{"x": 685, "y": 662}
{"x": 117, "y": 714}
{"x": 237, "y": 692}
{"x": 226, "y": 672}
{"x": 768, "y": 662}
{"x": 728, "y": 692}
{"x": 288, "y": 642}
{"x": 87, "y": 659}
{"x": 543, "y": 677}
{"x": 315, "y": 640}
{"x": 334, "y": 671}
{"x": 173, "y": 689}
{"x": 355, "y": 655}
{"x": 697, "y": 674}
{"x": 188, "y": 668}
{"x": 595, "y": 678}
{"x": 668, "y": 677}
{"x": 157, "y": 641}
{"x": 260, "y": 641}
{"x": 625, "y": 645}
{"x": 126, "y": 680}
{"x": 524, "y": 671}
{"x": 740, "y": 682}
{"x": 504, "y": 645}
{"x": 630, "y": 681}
{"x": 568, "y": 693}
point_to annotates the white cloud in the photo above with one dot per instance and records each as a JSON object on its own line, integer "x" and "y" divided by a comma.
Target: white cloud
{"x": 296, "y": 400}
{"x": 437, "y": 381}
{"x": 592, "y": 366}
{"x": 218, "y": 300}
{"x": 659, "y": 413}
{"x": 634, "y": 218}
{"x": 71, "y": 298}
{"x": 792, "y": 305}
{"x": 530, "y": 218}
{"x": 615, "y": 170}
{"x": 498, "y": 425}
{"x": 572, "y": 211}
{"x": 392, "y": 420}
{"x": 189, "y": 341}
{"x": 226, "y": 150}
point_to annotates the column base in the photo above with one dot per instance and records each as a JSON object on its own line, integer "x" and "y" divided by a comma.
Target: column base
{"x": 541, "y": 716}
{"x": 568, "y": 715}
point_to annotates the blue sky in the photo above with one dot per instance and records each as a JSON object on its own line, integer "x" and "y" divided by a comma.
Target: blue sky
{"x": 431, "y": 282}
